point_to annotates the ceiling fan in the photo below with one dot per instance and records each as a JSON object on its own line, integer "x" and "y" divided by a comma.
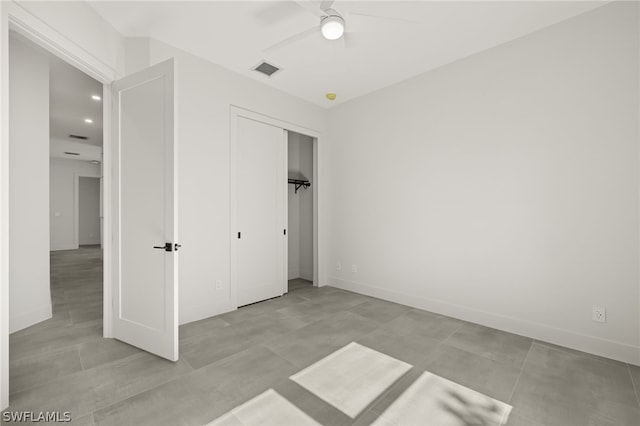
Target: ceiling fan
{"x": 332, "y": 24}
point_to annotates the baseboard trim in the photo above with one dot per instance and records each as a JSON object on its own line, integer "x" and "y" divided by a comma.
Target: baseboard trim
{"x": 293, "y": 274}
{"x": 30, "y": 318}
{"x": 567, "y": 338}
{"x": 306, "y": 275}
{"x": 64, "y": 247}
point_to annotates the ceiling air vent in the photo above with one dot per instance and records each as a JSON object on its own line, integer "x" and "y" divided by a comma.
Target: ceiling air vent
{"x": 72, "y": 153}
{"x": 266, "y": 68}
{"x": 84, "y": 138}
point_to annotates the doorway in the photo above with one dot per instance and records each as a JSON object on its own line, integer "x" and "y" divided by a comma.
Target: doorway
{"x": 300, "y": 202}
{"x": 16, "y": 20}
{"x": 56, "y": 287}
{"x": 89, "y": 216}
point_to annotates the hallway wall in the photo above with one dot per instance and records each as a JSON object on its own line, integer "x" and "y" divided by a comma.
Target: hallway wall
{"x": 62, "y": 203}
{"x": 29, "y": 190}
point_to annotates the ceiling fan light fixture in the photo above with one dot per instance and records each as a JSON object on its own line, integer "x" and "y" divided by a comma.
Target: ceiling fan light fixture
{"x": 332, "y": 27}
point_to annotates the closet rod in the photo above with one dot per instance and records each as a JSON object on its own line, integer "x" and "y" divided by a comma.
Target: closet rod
{"x": 299, "y": 184}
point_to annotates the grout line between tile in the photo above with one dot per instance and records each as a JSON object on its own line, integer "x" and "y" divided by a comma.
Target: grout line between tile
{"x": 635, "y": 390}
{"x": 187, "y": 362}
{"x": 80, "y": 357}
{"x": 513, "y": 391}
{"x": 454, "y": 332}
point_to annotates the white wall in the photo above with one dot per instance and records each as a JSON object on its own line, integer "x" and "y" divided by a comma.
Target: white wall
{"x": 205, "y": 93}
{"x": 30, "y": 298}
{"x": 300, "y": 234}
{"x": 63, "y": 190}
{"x": 88, "y": 210}
{"x": 502, "y": 188}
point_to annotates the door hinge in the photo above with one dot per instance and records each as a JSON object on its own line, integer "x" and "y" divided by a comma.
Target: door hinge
{"x": 239, "y": 235}
{"x": 285, "y": 232}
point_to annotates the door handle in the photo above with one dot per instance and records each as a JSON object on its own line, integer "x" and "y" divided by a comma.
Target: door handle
{"x": 165, "y": 247}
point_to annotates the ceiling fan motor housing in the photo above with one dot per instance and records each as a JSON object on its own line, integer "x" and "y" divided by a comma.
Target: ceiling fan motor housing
{"x": 332, "y": 25}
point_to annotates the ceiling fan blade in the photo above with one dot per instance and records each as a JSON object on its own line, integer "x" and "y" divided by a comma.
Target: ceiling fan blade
{"x": 292, "y": 39}
{"x": 385, "y": 18}
{"x": 351, "y": 40}
{"x": 274, "y": 12}
{"x": 311, "y": 7}
{"x": 326, "y": 4}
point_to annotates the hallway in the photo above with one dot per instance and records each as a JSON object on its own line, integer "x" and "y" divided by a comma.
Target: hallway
{"x": 72, "y": 340}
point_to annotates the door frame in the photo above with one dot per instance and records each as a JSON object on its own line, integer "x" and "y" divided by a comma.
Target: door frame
{"x": 239, "y": 112}
{"x": 14, "y": 17}
{"x": 76, "y": 205}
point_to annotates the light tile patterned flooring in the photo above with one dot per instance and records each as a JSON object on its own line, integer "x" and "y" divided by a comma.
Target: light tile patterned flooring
{"x": 64, "y": 364}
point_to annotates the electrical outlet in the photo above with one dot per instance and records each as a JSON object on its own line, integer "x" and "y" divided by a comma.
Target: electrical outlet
{"x": 599, "y": 314}
{"x": 338, "y": 266}
{"x": 354, "y": 268}
{"x": 218, "y": 285}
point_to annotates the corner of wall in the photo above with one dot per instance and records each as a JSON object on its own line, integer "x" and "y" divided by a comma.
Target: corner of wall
{"x": 27, "y": 319}
{"x": 136, "y": 54}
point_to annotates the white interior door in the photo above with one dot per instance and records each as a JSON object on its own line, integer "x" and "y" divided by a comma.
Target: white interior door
{"x": 146, "y": 282}
{"x": 261, "y": 189}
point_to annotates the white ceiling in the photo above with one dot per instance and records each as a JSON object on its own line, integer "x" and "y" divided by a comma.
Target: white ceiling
{"x": 377, "y": 53}
{"x": 70, "y": 103}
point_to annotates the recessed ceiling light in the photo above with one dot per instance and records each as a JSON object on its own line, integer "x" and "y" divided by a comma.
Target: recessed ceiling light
{"x": 88, "y": 120}
{"x": 96, "y": 98}
{"x": 95, "y": 162}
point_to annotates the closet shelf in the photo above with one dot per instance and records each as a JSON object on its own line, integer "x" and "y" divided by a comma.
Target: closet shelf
{"x": 299, "y": 183}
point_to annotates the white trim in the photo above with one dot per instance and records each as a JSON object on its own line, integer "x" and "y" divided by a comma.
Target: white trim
{"x": 76, "y": 204}
{"x": 236, "y": 112}
{"x": 638, "y": 177}
{"x": 316, "y": 243}
{"x": 591, "y": 344}
{"x": 107, "y": 209}
{"x": 64, "y": 247}
{"x": 30, "y": 318}
{"x": 25, "y": 23}
{"x": 285, "y": 215}
{"x": 4, "y": 207}
{"x": 15, "y": 17}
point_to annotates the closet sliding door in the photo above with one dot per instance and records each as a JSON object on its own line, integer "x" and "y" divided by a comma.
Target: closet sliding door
{"x": 260, "y": 211}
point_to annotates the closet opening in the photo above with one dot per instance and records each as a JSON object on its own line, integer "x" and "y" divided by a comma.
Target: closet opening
{"x": 300, "y": 212}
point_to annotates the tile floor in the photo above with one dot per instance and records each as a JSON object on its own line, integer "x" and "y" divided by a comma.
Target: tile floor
{"x": 64, "y": 364}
